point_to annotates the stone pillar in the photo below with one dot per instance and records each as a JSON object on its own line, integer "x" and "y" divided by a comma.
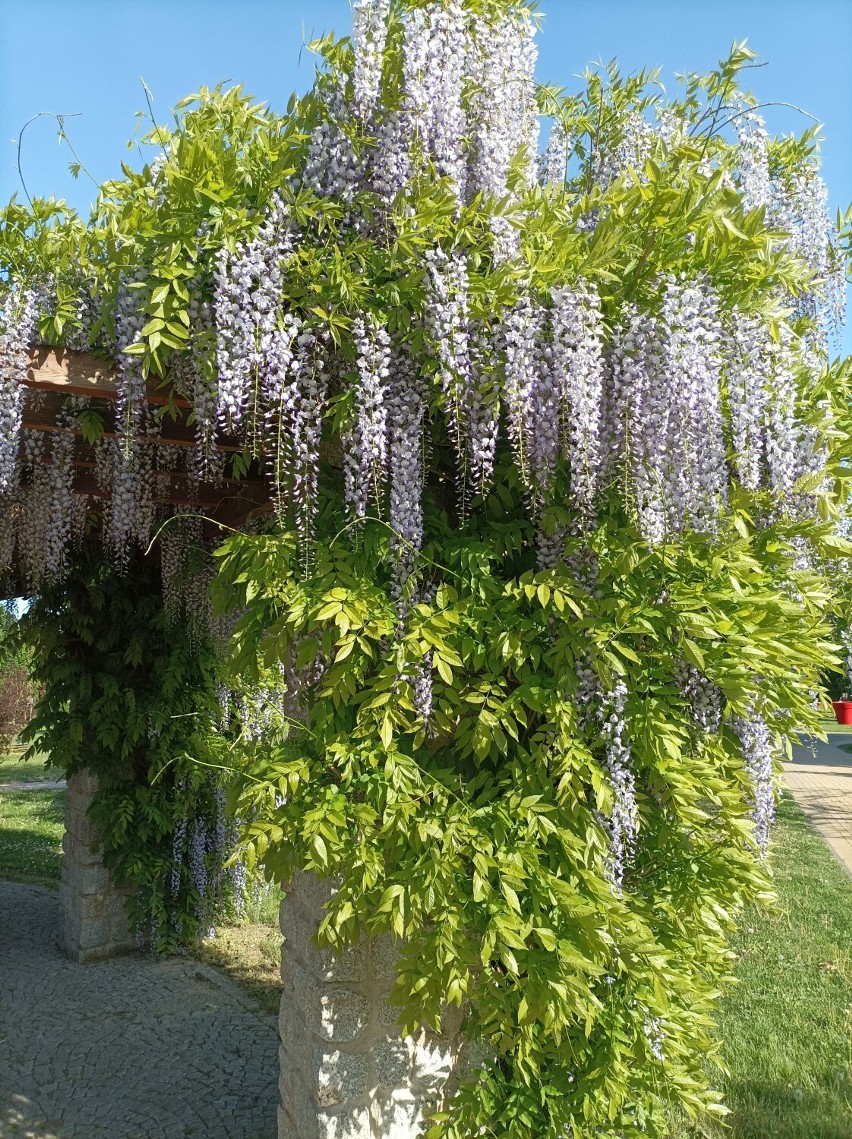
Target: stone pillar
{"x": 93, "y": 916}
{"x": 346, "y": 1071}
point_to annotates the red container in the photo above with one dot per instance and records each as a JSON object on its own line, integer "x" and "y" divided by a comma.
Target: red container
{"x": 842, "y": 711}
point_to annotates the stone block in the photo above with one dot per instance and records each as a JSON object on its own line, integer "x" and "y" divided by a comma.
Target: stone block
{"x": 388, "y": 1014}
{"x": 85, "y": 831}
{"x": 347, "y": 1123}
{"x": 343, "y": 1015}
{"x": 341, "y": 1077}
{"x": 310, "y": 893}
{"x": 432, "y": 1063}
{"x": 304, "y": 1111}
{"x": 87, "y": 879}
{"x": 391, "y": 1060}
{"x": 120, "y": 933}
{"x": 90, "y": 907}
{"x": 82, "y": 784}
{"x": 398, "y": 1115}
{"x": 352, "y": 965}
{"x": 70, "y": 929}
{"x": 95, "y": 934}
{"x": 384, "y": 956}
{"x": 285, "y": 1125}
{"x": 292, "y": 1024}
{"x": 297, "y": 931}
{"x": 301, "y": 982}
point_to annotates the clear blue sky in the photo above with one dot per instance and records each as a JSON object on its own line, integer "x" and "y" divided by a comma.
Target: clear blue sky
{"x": 87, "y": 57}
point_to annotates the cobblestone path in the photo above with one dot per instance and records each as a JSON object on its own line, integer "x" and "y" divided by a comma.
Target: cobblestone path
{"x": 820, "y": 779}
{"x": 125, "y": 1049}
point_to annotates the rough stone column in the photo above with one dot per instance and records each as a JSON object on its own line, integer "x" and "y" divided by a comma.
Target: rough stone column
{"x": 346, "y": 1071}
{"x": 93, "y": 917}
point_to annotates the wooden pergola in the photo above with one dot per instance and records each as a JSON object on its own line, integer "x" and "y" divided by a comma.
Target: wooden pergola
{"x": 56, "y": 373}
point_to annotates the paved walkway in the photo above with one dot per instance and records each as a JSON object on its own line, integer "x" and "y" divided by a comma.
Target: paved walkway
{"x": 130, "y": 1048}
{"x": 29, "y": 785}
{"x": 820, "y": 778}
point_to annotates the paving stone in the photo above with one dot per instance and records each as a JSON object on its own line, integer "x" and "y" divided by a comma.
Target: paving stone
{"x": 129, "y": 1048}
{"x": 820, "y": 778}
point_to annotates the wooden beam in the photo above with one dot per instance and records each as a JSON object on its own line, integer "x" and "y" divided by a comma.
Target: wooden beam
{"x": 81, "y": 373}
{"x": 203, "y": 496}
{"x": 159, "y": 440}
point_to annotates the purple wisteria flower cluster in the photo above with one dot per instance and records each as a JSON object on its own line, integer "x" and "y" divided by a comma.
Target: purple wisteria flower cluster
{"x": 16, "y": 334}
{"x": 759, "y": 754}
{"x": 797, "y": 205}
{"x": 623, "y": 823}
{"x": 203, "y": 839}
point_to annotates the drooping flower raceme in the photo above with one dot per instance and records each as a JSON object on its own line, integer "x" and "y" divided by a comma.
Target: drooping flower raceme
{"x": 503, "y": 115}
{"x": 366, "y": 450}
{"x": 754, "y": 179}
{"x": 579, "y": 369}
{"x": 406, "y": 407}
{"x": 704, "y": 697}
{"x": 448, "y": 325}
{"x": 636, "y": 419}
{"x": 369, "y": 30}
{"x": 434, "y": 51}
{"x": 16, "y": 334}
{"x": 759, "y": 756}
{"x": 623, "y": 825}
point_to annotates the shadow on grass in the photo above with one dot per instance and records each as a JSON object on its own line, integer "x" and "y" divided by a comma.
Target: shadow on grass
{"x": 766, "y": 1111}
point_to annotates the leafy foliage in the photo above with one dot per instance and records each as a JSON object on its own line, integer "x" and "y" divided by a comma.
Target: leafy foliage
{"x": 476, "y": 832}
{"x": 126, "y": 692}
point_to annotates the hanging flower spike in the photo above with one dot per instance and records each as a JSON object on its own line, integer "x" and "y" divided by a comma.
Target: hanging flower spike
{"x": 694, "y": 478}
{"x": 130, "y": 510}
{"x": 448, "y": 325}
{"x": 553, "y": 163}
{"x": 783, "y": 435}
{"x": 333, "y": 169}
{"x": 18, "y": 325}
{"x": 247, "y": 299}
{"x": 482, "y": 412}
{"x": 524, "y": 331}
{"x": 369, "y": 31}
{"x": 623, "y": 824}
{"x": 758, "y": 755}
{"x": 503, "y": 115}
{"x": 579, "y": 371}
{"x": 406, "y": 407}
{"x": 747, "y": 372}
{"x": 636, "y": 416}
{"x": 753, "y": 173}
{"x": 704, "y": 697}
{"x": 366, "y": 453}
{"x": 434, "y": 52}
{"x": 311, "y": 372}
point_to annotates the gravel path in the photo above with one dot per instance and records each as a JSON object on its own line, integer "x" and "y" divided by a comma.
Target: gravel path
{"x": 130, "y": 1048}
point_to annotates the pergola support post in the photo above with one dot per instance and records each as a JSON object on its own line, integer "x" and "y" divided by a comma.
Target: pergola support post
{"x": 347, "y": 1072}
{"x": 93, "y": 909}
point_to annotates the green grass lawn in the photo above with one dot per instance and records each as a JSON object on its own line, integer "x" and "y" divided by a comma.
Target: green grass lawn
{"x": 787, "y": 1026}
{"x": 12, "y": 770}
{"x": 829, "y": 724}
{"x": 31, "y": 828}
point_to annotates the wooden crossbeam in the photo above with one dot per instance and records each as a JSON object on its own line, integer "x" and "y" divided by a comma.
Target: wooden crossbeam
{"x": 168, "y": 440}
{"x": 59, "y": 372}
{"x": 82, "y": 373}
